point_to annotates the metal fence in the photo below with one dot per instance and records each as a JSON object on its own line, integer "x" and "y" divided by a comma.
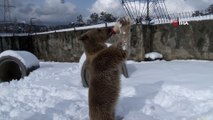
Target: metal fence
{"x": 183, "y": 16}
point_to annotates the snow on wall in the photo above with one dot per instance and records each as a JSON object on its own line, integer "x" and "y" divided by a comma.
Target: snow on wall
{"x": 153, "y": 55}
{"x": 154, "y": 22}
{"x": 62, "y": 30}
{"x": 27, "y": 58}
{"x": 166, "y": 21}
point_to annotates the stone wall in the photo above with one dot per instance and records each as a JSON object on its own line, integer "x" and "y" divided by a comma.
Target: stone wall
{"x": 184, "y": 42}
{"x": 62, "y": 46}
{"x": 16, "y": 43}
{"x": 137, "y": 48}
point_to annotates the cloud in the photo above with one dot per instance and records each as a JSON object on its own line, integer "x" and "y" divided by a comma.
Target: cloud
{"x": 27, "y": 9}
{"x": 53, "y": 10}
{"x": 175, "y": 6}
{"x": 111, "y": 6}
{"x": 47, "y": 11}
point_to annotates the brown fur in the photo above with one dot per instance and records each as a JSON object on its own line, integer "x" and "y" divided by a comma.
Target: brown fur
{"x": 103, "y": 66}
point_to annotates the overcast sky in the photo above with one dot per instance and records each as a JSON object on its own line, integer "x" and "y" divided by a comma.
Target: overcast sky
{"x": 53, "y": 11}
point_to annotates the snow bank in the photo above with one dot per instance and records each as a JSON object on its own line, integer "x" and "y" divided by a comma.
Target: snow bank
{"x": 159, "y": 90}
{"x": 57, "y": 31}
{"x": 179, "y": 102}
{"x": 27, "y": 58}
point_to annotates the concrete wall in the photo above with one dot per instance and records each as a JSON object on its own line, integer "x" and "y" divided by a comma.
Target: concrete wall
{"x": 137, "y": 49}
{"x": 58, "y": 46}
{"x": 184, "y": 42}
{"x": 62, "y": 46}
{"x": 16, "y": 43}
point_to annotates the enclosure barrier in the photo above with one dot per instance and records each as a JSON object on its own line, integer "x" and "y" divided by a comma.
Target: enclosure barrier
{"x": 15, "y": 65}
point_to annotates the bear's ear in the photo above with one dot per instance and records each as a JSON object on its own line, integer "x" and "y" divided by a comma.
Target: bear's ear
{"x": 83, "y": 37}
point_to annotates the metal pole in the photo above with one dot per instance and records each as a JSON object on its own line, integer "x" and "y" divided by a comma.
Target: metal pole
{"x": 4, "y": 11}
{"x": 147, "y": 17}
{"x": 31, "y": 23}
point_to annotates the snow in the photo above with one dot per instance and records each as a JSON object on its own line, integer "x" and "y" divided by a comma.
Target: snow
{"x": 154, "y": 22}
{"x": 159, "y": 90}
{"x": 58, "y": 31}
{"x": 153, "y": 55}
{"x": 166, "y": 21}
{"x": 27, "y": 58}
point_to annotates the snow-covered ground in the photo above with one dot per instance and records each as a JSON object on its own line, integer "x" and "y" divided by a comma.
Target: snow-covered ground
{"x": 160, "y": 90}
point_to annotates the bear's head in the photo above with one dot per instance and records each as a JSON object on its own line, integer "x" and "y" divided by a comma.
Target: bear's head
{"x": 94, "y": 40}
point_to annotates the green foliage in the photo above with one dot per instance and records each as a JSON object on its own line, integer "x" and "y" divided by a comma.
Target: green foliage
{"x": 80, "y": 21}
{"x": 197, "y": 13}
{"x": 107, "y": 17}
{"x": 94, "y": 18}
{"x": 207, "y": 11}
{"x": 101, "y": 18}
{"x": 210, "y": 9}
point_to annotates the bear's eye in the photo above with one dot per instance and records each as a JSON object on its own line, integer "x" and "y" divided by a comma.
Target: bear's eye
{"x": 99, "y": 30}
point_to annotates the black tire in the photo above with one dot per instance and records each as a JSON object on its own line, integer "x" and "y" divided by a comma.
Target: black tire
{"x": 125, "y": 70}
{"x": 84, "y": 76}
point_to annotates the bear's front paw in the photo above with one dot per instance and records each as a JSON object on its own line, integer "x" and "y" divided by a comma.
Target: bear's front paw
{"x": 122, "y": 44}
{"x": 122, "y": 25}
{"x": 125, "y": 21}
{"x": 126, "y": 25}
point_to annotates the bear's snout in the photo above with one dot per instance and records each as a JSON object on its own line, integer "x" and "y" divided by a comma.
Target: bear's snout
{"x": 110, "y": 31}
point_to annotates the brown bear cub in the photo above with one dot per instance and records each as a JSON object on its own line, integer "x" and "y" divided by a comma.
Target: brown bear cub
{"x": 103, "y": 64}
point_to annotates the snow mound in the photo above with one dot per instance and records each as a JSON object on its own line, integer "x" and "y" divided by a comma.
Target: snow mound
{"x": 27, "y": 58}
{"x": 178, "y": 102}
{"x": 153, "y": 56}
{"x": 159, "y": 90}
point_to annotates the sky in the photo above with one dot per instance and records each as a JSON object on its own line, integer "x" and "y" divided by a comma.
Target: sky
{"x": 55, "y": 12}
